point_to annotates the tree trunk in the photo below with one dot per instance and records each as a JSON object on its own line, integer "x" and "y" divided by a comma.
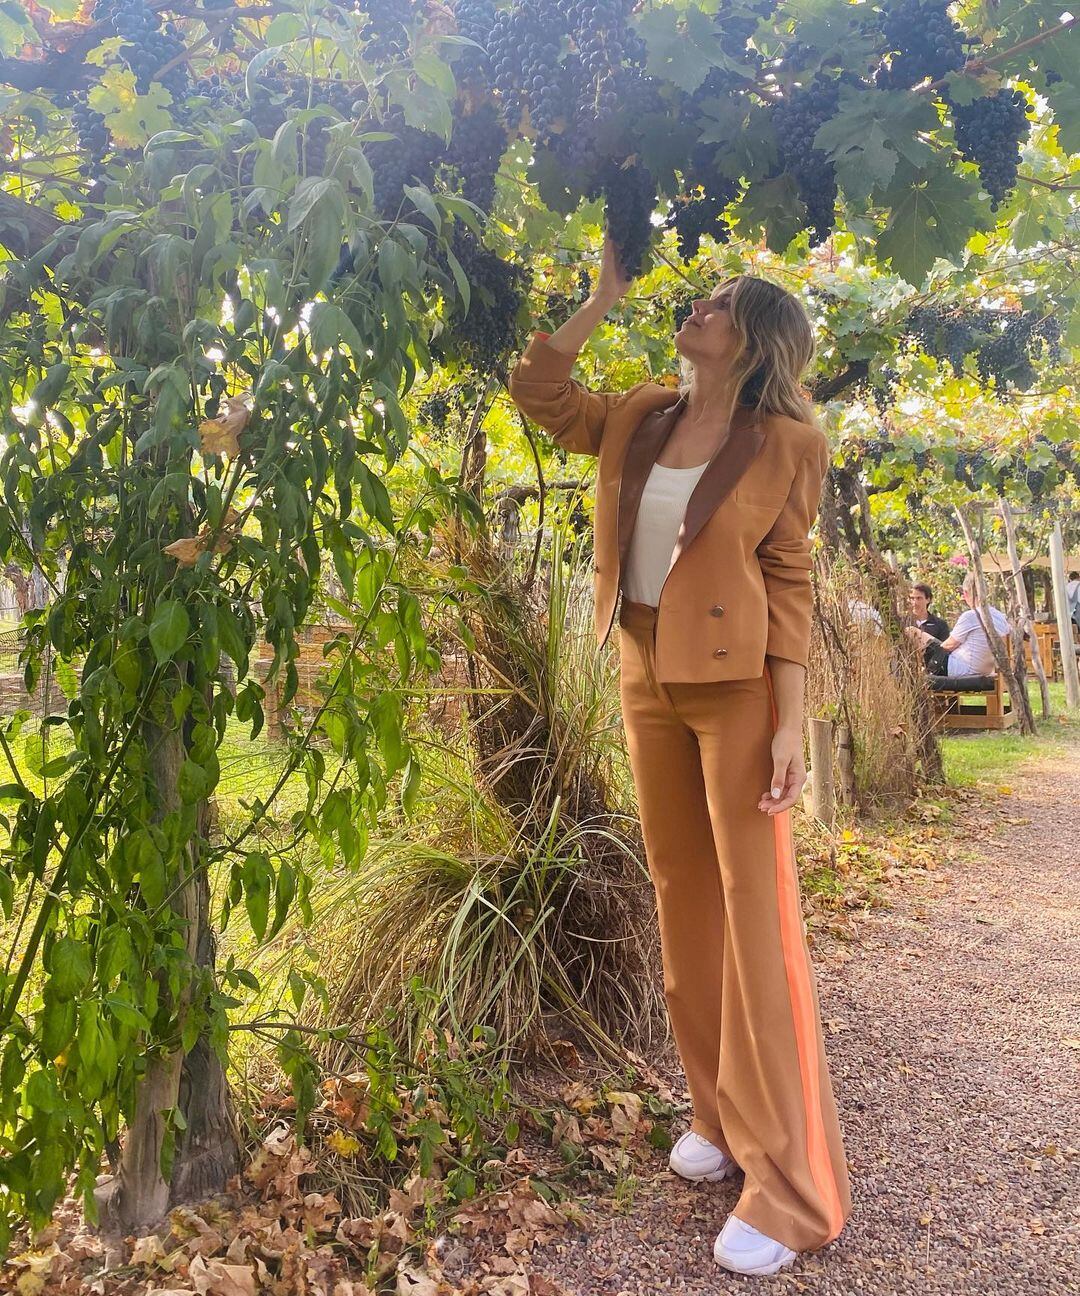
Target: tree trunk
{"x": 207, "y": 1151}
{"x": 1064, "y": 621}
{"x": 1024, "y": 618}
{"x": 141, "y": 1194}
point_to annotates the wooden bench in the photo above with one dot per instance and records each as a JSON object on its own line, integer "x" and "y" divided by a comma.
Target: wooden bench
{"x": 989, "y": 708}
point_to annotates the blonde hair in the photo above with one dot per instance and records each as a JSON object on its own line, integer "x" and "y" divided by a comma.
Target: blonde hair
{"x": 777, "y": 348}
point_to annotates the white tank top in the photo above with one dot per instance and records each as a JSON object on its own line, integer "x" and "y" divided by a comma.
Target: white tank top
{"x": 656, "y": 528}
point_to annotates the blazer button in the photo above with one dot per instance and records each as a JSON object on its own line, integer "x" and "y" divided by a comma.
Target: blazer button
{"x": 716, "y": 610}
{"x": 720, "y": 652}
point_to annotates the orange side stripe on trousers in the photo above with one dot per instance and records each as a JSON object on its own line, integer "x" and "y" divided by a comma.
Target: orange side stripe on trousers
{"x": 802, "y": 1009}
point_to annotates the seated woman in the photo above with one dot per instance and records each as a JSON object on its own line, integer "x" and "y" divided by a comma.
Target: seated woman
{"x": 971, "y": 661}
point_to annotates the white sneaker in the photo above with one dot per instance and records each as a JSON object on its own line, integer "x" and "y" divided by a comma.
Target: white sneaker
{"x": 741, "y": 1248}
{"x": 695, "y": 1158}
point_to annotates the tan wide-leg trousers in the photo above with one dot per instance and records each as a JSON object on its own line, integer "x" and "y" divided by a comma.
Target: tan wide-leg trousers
{"x": 740, "y": 987}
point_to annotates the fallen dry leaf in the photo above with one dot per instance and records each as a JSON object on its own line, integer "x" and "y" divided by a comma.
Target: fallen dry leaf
{"x": 147, "y": 1250}
{"x": 215, "y": 1278}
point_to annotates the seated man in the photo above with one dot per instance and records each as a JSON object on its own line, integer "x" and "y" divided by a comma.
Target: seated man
{"x": 971, "y": 661}
{"x": 934, "y": 657}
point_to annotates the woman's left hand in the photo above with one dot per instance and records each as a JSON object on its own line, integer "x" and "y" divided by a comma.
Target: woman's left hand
{"x": 789, "y": 773}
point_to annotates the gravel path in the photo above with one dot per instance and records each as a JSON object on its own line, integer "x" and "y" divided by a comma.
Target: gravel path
{"x": 954, "y": 1043}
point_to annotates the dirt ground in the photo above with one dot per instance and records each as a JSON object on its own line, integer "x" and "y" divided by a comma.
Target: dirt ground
{"x": 953, "y": 1034}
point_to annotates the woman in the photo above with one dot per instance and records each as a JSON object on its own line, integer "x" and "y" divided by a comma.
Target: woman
{"x": 704, "y": 501}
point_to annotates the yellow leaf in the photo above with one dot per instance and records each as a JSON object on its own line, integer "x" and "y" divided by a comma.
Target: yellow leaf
{"x": 221, "y": 435}
{"x": 131, "y": 118}
{"x": 345, "y": 1145}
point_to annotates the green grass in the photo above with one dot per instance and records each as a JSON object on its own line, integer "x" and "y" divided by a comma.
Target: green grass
{"x": 976, "y": 758}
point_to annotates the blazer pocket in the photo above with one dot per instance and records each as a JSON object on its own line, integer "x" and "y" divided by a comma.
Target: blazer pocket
{"x": 762, "y": 499}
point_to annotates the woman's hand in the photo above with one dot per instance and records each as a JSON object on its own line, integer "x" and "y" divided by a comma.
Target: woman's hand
{"x": 612, "y": 283}
{"x": 789, "y": 772}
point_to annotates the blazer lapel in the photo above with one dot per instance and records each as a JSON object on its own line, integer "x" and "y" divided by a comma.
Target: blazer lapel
{"x": 713, "y": 486}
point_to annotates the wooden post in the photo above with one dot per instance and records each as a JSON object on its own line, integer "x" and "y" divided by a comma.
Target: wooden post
{"x": 821, "y": 768}
{"x": 1064, "y": 621}
{"x": 1027, "y": 621}
{"x": 845, "y": 764}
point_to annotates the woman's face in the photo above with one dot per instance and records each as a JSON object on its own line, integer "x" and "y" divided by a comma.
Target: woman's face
{"x": 706, "y": 334}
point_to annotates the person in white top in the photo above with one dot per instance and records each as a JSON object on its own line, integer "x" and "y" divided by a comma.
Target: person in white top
{"x": 1072, "y": 596}
{"x": 967, "y": 645}
{"x": 663, "y": 506}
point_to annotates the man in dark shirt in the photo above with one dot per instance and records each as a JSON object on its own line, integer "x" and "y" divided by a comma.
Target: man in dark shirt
{"x": 937, "y": 662}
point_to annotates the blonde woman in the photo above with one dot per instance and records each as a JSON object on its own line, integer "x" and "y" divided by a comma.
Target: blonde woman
{"x": 705, "y": 497}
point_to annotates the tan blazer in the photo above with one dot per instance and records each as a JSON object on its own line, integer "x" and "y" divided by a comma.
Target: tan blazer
{"x": 739, "y": 586}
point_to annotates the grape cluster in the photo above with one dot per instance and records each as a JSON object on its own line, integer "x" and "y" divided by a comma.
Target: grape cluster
{"x": 603, "y": 39}
{"x": 386, "y": 32}
{"x": 148, "y": 43}
{"x": 524, "y": 48}
{"x": 882, "y": 392}
{"x": 410, "y": 158}
{"x": 436, "y": 409}
{"x": 796, "y": 121}
{"x": 989, "y": 131}
{"x": 93, "y": 136}
{"x": 699, "y": 210}
{"x": 946, "y": 334}
{"x": 681, "y": 309}
{"x": 629, "y": 200}
{"x": 477, "y": 144}
{"x": 475, "y": 19}
{"x": 1003, "y": 343}
{"x": 1021, "y": 337}
{"x": 923, "y": 41}
{"x": 490, "y": 330}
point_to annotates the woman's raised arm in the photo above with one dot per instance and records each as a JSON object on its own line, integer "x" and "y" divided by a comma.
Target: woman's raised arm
{"x": 540, "y": 384}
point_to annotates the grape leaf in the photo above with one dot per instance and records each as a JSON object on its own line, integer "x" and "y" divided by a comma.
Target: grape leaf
{"x": 869, "y": 132}
{"x": 772, "y": 206}
{"x": 682, "y": 47}
{"x": 932, "y": 214}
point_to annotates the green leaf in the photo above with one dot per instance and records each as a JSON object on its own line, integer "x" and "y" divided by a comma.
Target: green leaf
{"x": 46, "y": 392}
{"x": 153, "y": 880}
{"x": 58, "y": 1021}
{"x": 410, "y": 786}
{"x": 257, "y": 877}
{"x": 169, "y": 629}
{"x": 683, "y": 45}
{"x": 255, "y": 67}
{"x": 772, "y": 206}
{"x": 933, "y": 214}
{"x": 310, "y": 193}
{"x": 330, "y": 326}
{"x": 69, "y": 967}
{"x": 284, "y": 894}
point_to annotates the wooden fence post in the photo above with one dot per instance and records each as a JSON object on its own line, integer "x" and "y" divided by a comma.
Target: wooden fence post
{"x": 822, "y": 792}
